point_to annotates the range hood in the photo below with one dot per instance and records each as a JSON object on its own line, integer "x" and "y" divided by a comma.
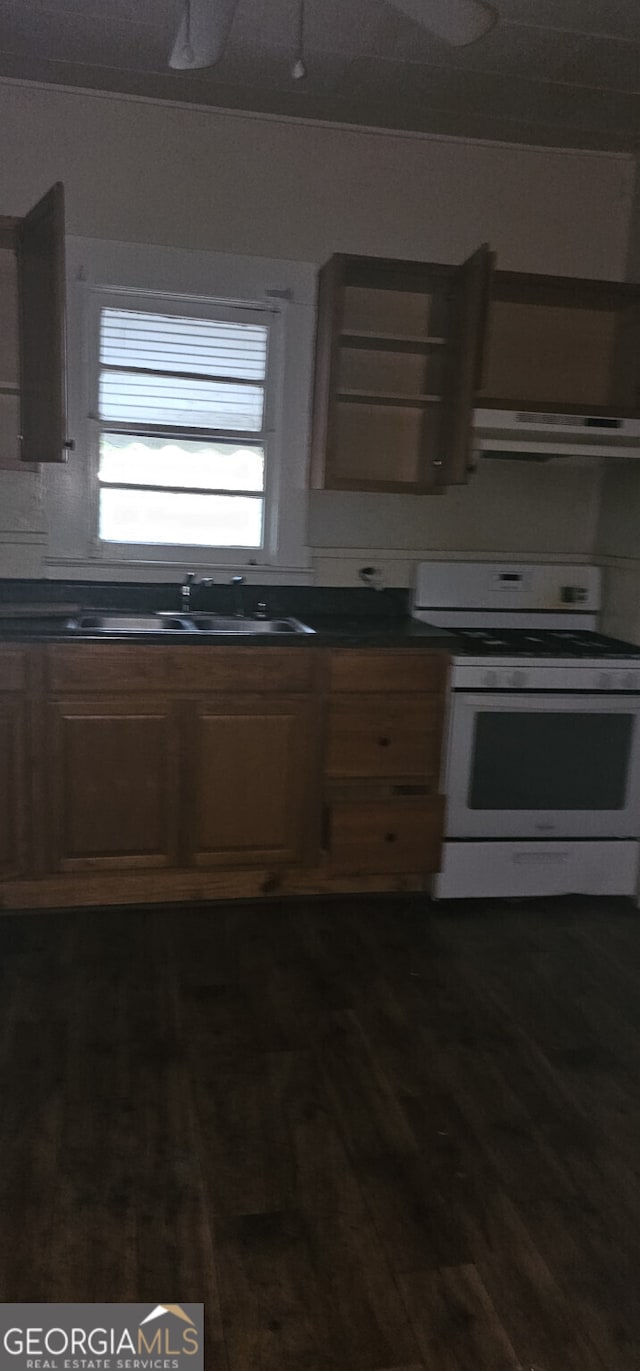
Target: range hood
{"x": 535, "y": 436}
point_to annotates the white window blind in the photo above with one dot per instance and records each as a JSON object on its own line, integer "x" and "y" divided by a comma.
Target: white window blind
{"x": 182, "y": 405}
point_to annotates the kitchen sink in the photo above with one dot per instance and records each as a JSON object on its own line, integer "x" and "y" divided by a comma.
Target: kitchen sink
{"x": 131, "y": 623}
{"x": 231, "y": 624}
{"x": 169, "y": 622}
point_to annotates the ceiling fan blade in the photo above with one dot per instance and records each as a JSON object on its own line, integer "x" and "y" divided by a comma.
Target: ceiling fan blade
{"x": 203, "y": 32}
{"x": 458, "y": 22}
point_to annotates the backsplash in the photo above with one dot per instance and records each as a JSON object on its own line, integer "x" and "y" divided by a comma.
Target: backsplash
{"x": 356, "y": 602}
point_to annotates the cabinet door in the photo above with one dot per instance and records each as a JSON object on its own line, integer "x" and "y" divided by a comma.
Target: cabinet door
{"x": 9, "y": 356}
{"x": 114, "y": 783}
{"x": 41, "y": 279}
{"x": 327, "y": 360}
{"x": 252, "y": 785}
{"x": 12, "y": 786}
{"x": 464, "y": 365}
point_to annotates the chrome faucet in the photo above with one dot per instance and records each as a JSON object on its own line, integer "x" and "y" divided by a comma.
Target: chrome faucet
{"x": 189, "y": 584}
{"x": 237, "y": 583}
{"x": 185, "y": 593}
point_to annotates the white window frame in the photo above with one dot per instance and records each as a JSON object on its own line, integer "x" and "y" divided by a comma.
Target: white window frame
{"x": 268, "y": 437}
{"x": 181, "y": 281}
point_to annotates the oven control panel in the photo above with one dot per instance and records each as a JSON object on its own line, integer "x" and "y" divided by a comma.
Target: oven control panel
{"x": 610, "y": 677}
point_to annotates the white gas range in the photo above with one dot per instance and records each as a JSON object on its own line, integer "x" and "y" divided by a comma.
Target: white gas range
{"x": 542, "y": 760}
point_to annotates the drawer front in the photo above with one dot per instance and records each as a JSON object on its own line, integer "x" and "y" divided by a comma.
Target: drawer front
{"x": 250, "y": 669}
{"x": 191, "y": 667}
{"x": 12, "y": 668}
{"x": 106, "y": 667}
{"x": 374, "y": 669}
{"x": 388, "y": 735}
{"x": 403, "y": 835}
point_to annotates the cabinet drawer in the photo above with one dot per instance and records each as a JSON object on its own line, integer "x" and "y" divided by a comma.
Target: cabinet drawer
{"x": 402, "y": 834}
{"x": 375, "y": 669}
{"x": 12, "y": 668}
{"x": 192, "y": 666}
{"x": 106, "y": 666}
{"x": 386, "y": 735}
{"x": 257, "y": 669}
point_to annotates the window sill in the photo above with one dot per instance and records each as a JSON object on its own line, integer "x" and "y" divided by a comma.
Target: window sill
{"x": 157, "y": 569}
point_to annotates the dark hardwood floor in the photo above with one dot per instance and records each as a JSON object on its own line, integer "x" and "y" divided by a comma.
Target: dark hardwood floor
{"x": 371, "y": 1135}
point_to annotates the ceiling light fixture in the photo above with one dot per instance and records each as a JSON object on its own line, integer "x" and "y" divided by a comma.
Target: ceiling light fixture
{"x": 205, "y": 25}
{"x": 458, "y": 22}
{"x": 299, "y": 69}
{"x": 203, "y": 32}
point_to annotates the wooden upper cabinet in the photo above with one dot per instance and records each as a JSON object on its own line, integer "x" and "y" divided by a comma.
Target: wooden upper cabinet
{"x": 397, "y": 364}
{"x": 41, "y": 293}
{"x": 9, "y": 349}
{"x": 560, "y": 344}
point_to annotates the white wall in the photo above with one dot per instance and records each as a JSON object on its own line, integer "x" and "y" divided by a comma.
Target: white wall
{"x": 618, "y": 530}
{"x": 522, "y": 510}
{"x": 145, "y": 172}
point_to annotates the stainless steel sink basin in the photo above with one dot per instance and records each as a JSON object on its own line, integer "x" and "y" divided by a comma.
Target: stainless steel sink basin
{"x": 230, "y": 624}
{"x": 168, "y": 622}
{"x": 131, "y": 623}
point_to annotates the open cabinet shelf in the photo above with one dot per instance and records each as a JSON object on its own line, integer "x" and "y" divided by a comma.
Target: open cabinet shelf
{"x": 389, "y": 397}
{"x": 372, "y": 339}
{"x": 397, "y": 360}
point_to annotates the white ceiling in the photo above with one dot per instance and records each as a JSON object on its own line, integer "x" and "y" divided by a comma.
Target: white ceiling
{"x": 563, "y": 72}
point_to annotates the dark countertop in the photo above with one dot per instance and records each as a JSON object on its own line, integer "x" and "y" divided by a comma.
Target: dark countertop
{"x": 347, "y": 631}
{"x": 340, "y": 616}
{"x": 330, "y": 630}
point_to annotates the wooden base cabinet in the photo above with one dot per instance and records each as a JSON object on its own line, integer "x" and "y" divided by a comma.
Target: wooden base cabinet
{"x": 160, "y": 758}
{"x": 382, "y": 761}
{"x": 14, "y": 834}
{"x": 12, "y": 786}
{"x": 135, "y": 774}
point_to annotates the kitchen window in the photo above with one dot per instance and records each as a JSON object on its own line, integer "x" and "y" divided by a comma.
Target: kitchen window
{"x": 190, "y": 378}
{"x": 183, "y": 427}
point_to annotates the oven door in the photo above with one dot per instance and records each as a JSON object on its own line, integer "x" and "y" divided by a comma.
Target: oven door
{"x": 543, "y": 765}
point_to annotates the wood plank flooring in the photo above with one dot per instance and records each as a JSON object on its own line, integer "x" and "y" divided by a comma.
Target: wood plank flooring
{"x": 370, "y": 1134}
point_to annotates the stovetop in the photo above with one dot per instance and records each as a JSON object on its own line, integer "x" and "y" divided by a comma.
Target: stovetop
{"x": 541, "y": 642}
